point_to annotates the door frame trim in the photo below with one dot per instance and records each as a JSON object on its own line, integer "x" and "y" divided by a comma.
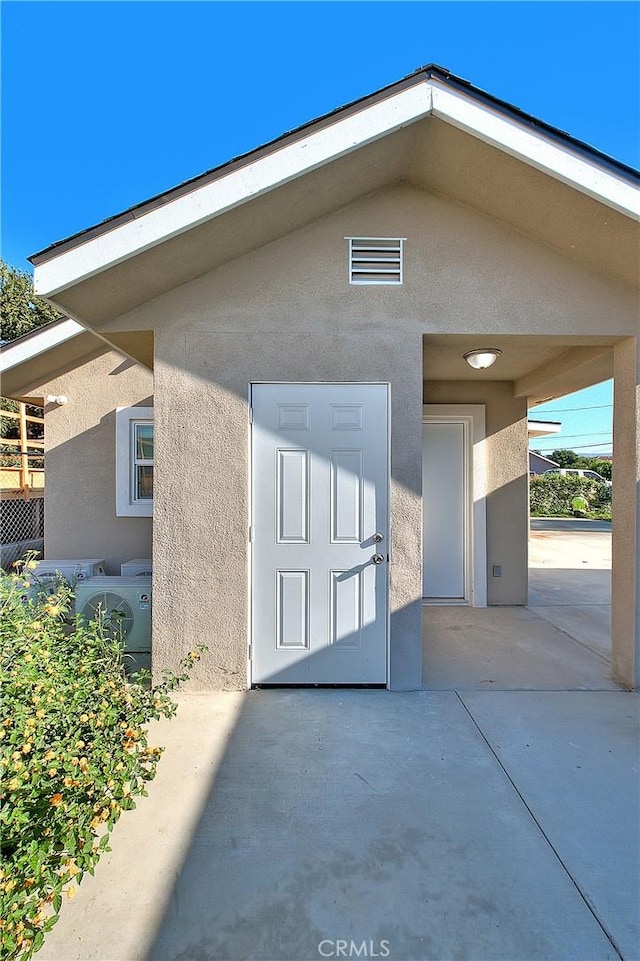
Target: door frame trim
{"x": 472, "y": 417}
{"x": 387, "y": 583}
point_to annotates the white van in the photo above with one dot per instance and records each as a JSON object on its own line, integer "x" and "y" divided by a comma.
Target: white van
{"x": 589, "y": 474}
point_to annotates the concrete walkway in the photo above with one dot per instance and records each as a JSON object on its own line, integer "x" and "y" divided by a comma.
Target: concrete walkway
{"x": 485, "y": 826}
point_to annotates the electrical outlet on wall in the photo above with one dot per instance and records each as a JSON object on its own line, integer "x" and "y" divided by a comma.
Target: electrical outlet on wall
{"x": 497, "y": 570}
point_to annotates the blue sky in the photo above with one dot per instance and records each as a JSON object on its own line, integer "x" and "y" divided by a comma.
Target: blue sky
{"x": 107, "y": 103}
{"x": 586, "y": 419}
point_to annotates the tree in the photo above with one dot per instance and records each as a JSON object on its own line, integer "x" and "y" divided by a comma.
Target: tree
{"x": 569, "y": 458}
{"x": 565, "y": 458}
{"x": 21, "y": 310}
{"x": 602, "y": 467}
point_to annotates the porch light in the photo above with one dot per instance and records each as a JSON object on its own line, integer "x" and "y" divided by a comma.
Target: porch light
{"x": 482, "y": 357}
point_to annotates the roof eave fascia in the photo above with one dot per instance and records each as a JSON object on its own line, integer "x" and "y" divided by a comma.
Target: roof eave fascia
{"x": 431, "y": 95}
{"x": 23, "y": 350}
{"x": 231, "y": 190}
{"x": 535, "y": 148}
{"x": 543, "y": 428}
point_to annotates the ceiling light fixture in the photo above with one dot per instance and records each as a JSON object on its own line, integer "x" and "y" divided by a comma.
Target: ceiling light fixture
{"x": 482, "y": 358}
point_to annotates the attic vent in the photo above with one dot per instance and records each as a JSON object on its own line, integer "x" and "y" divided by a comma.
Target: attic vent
{"x": 375, "y": 260}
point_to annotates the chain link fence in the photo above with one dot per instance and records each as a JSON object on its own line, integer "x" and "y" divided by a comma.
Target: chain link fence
{"x": 21, "y": 528}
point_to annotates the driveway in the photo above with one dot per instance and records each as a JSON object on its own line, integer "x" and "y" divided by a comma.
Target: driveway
{"x": 570, "y": 578}
{"x": 286, "y": 824}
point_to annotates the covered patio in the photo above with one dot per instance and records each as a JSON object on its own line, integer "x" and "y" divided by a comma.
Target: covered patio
{"x": 560, "y": 641}
{"x": 520, "y": 615}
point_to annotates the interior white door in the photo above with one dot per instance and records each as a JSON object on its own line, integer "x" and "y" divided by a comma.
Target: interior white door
{"x": 320, "y": 468}
{"x": 444, "y": 504}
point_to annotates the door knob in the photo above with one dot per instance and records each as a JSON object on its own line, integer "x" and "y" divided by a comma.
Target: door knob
{"x": 378, "y": 537}
{"x": 378, "y": 559}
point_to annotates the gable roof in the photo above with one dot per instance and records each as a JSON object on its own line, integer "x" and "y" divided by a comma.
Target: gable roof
{"x": 422, "y": 73}
{"x": 323, "y": 155}
{"x": 540, "y": 460}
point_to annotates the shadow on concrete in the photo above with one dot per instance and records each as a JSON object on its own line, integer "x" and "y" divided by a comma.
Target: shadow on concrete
{"x": 569, "y": 586}
{"x": 569, "y": 524}
{"x": 366, "y": 816}
{"x": 560, "y": 641}
{"x": 570, "y": 579}
{"x": 448, "y": 825}
{"x": 506, "y": 648}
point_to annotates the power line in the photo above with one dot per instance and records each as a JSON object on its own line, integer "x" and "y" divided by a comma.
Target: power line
{"x": 589, "y": 433}
{"x": 550, "y": 450}
{"x": 565, "y": 410}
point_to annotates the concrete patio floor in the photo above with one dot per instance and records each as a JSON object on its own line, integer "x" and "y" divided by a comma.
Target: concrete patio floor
{"x": 482, "y": 826}
{"x": 560, "y": 641}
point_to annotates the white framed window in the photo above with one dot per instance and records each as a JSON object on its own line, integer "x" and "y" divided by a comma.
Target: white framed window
{"x": 134, "y": 461}
{"x": 376, "y": 260}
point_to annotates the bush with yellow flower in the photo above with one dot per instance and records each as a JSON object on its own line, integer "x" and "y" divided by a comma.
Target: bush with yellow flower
{"x": 73, "y": 752}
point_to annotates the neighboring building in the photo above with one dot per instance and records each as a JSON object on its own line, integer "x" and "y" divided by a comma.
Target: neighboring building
{"x": 290, "y": 329}
{"x": 538, "y": 464}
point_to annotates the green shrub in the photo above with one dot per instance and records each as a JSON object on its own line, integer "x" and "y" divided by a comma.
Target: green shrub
{"x": 580, "y": 506}
{"x": 73, "y": 753}
{"x": 551, "y": 495}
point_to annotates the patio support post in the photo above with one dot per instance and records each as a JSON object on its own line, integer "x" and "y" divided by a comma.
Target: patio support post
{"x": 625, "y": 580}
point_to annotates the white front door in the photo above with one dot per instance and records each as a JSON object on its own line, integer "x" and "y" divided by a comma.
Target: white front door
{"x": 320, "y": 468}
{"x": 445, "y": 542}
